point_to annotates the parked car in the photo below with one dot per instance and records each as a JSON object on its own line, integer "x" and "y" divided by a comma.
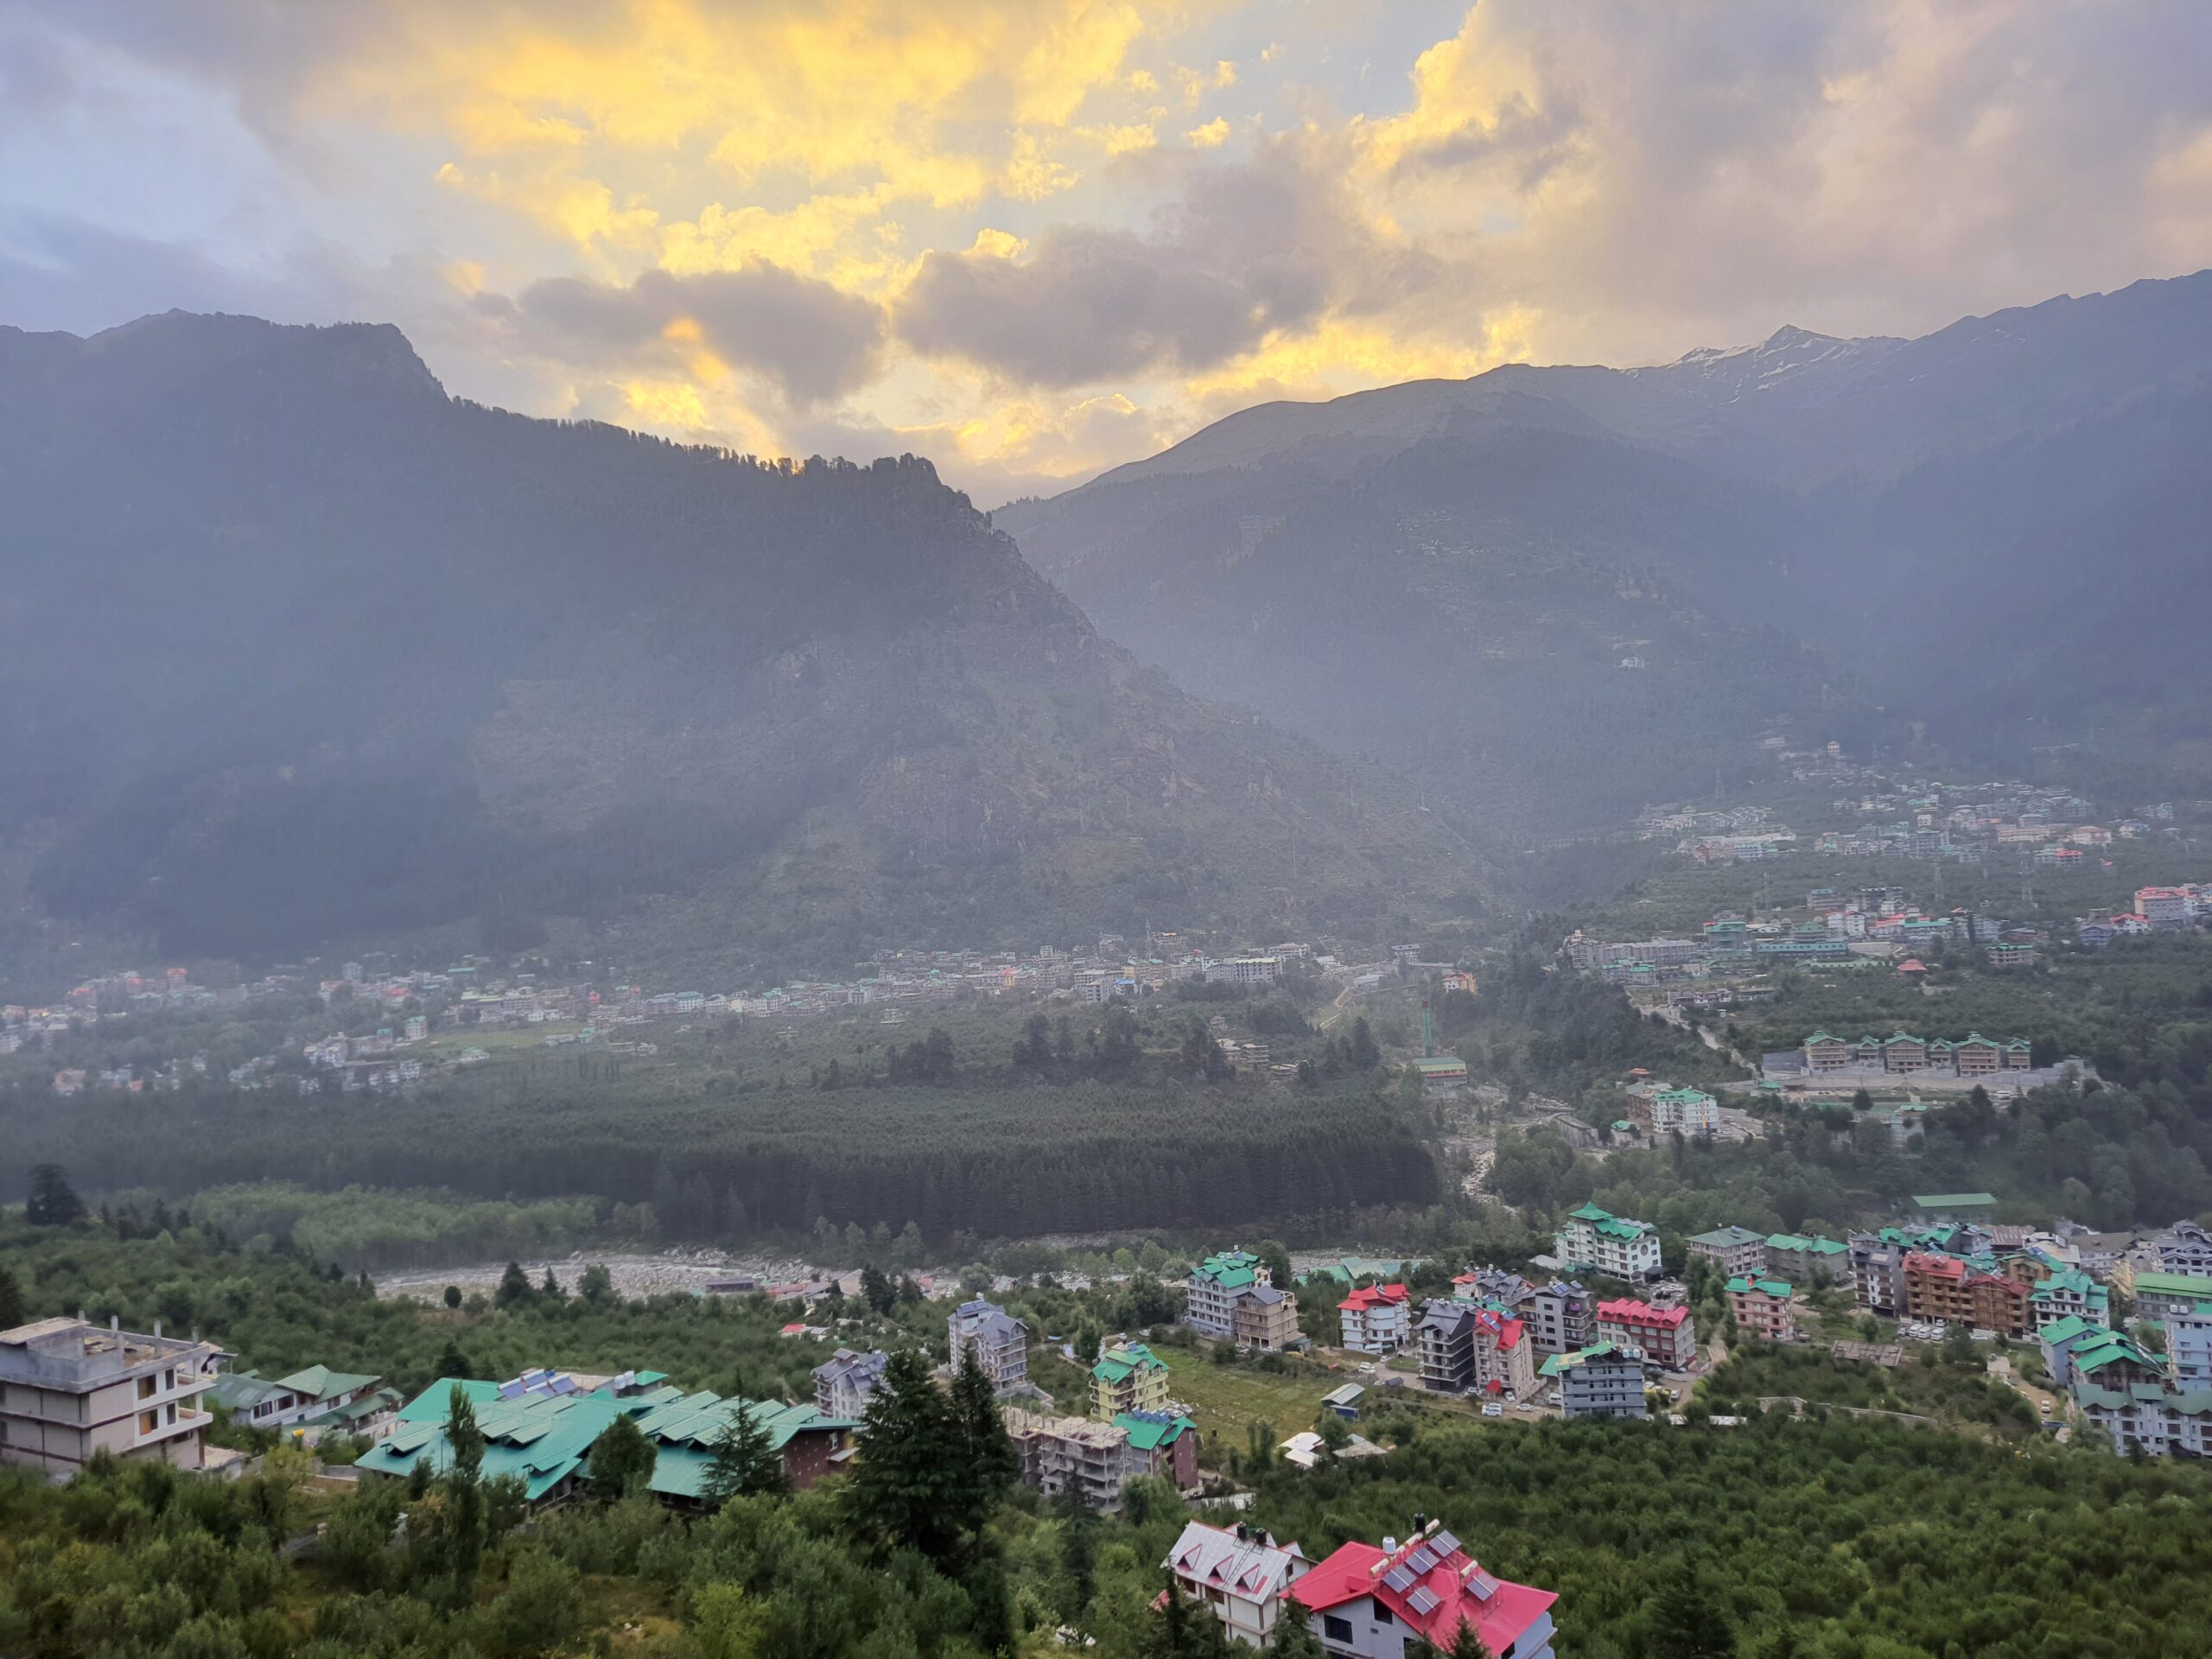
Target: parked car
{"x": 1493, "y": 1410}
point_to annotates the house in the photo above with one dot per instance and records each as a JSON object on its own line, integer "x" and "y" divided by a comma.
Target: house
{"x": 1265, "y": 1319}
{"x": 1129, "y": 1377}
{"x": 845, "y": 1382}
{"x": 1807, "y": 1261}
{"x": 543, "y": 1436}
{"x": 1600, "y": 1241}
{"x": 2189, "y": 1345}
{"x": 2123, "y": 1392}
{"x": 70, "y": 1389}
{"x": 997, "y": 1342}
{"x": 1761, "y": 1308}
{"x": 1666, "y": 1336}
{"x": 1692, "y": 1111}
{"x": 1366, "y": 1602}
{"x": 1243, "y": 1576}
{"x": 1098, "y": 1459}
{"x": 1735, "y": 1250}
{"x": 1344, "y": 1401}
{"x": 1441, "y": 1075}
{"x": 1466, "y": 1347}
{"x": 2185, "y": 1247}
{"x": 315, "y": 1393}
{"x": 2057, "y": 1341}
{"x": 2006, "y": 954}
{"x": 1374, "y": 1319}
{"x": 1599, "y": 1381}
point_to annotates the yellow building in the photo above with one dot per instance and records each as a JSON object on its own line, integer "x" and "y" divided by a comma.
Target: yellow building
{"x": 1129, "y": 1377}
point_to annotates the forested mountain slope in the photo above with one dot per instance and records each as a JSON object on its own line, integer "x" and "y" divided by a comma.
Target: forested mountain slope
{"x": 293, "y": 647}
{"x": 1812, "y": 537}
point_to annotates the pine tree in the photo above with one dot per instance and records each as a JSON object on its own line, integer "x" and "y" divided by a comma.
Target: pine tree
{"x": 1686, "y": 1624}
{"x": 622, "y": 1458}
{"x": 911, "y": 1489}
{"x": 514, "y": 1289}
{"x": 52, "y": 1202}
{"x": 745, "y": 1463}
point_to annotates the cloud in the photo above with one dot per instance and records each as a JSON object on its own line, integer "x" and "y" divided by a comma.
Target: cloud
{"x": 1248, "y": 250}
{"x": 814, "y": 341}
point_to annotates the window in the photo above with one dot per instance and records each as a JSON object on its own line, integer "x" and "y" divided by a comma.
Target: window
{"x": 1382, "y": 1615}
{"x": 145, "y": 1388}
{"x": 149, "y": 1421}
{"x": 1335, "y": 1629}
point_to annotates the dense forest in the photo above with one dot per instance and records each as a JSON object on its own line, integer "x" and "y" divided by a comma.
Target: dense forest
{"x": 1777, "y": 1539}
{"x": 991, "y": 1160}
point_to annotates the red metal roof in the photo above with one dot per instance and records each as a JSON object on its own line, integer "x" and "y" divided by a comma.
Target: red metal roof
{"x": 1629, "y": 1311}
{"x": 1370, "y": 1295}
{"x": 1501, "y": 1611}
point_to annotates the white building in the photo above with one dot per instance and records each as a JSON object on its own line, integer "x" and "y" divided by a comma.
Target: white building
{"x": 1602, "y": 1242}
{"x": 1242, "y": 971}
{"x": 1375, "y": 1320}
{"x": 1241, "y": 1576}
{"x": 1690, "y": 1110}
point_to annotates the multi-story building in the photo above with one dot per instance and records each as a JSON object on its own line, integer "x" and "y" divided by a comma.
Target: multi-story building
{"x": 1365, "y": 1603}
{"x": 1244, "y": 1578}
{"x": 1599, "y": 1381}
{"x": 1099, "y": 1458}
{"x": 1233, "y": 1295}
{"x": 1560, "y": 1315}
{"x": 2185, "y": 1248}
{"x": 1446, "y": 1332}
{"x": 1692, "y": 1111}
{"x": 2189, "y": 1346}
{"x": 1761, "y": 1308}
{"x": 1242, "y": 971}
{"x": 1210, "y": 1293}
{"x": 1600, "y": 1241}
{"x": 1666, "y": 1336}
{"x": 2157, "y": 1294}
{"x": 355, "y": 1401}
{"x": 997, "y": 1342}
{"x": 1129, "y": 1377}
{"x": 848, "y": 1381}
{"x": 1732, "y": 1250}
{"x": 1374, "y": 1319}
{"x": 1808, "y": 1260}
{"x": 69, "y": 1389}
{"x": 2068, "y": 1293}
{"x": 1952, "y": 1290}
{"x": 2168, "y": 909}
{"x": 2125, "y": 1392}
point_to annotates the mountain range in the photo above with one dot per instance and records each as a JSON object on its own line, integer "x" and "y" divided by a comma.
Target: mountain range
{"x": 1554, "y": 594}
{"x": 295, "y": 649}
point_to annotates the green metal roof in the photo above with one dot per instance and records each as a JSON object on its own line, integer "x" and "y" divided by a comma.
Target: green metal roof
{"x": 1119, "y": 1364}
{"x": 320, "y": 1381}
{"x": 2172, "y": 1284}
{"x": 240, "y": 1391}
{"x": 1774, "y": 1288}
{"x": 1147, "y": 1433}
{"x": 1725, "y": 1237}
{"x": 2067, "y": 1329}
{"x": 1956, "y": 1201}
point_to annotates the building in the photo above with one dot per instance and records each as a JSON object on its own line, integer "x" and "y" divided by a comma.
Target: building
{"x": 2058, "y": 1341}
{"x": 2123, "y": 1392}
{"x": 2168, "y": 909}
{"x": 848, "y": 1381}
{"x": 1244, "y": 1578}
{"x": 1954, "y": 1207}
{"x": 1209, "y": 1294}
{"x": 2068, "y": 1293}
{"x": 1364, "y": 1603}
{"x": 1808, "y": 1260}
{"x": 2189, "y": 1346}
{"x": 2008, "y": 954}
{"x": 1599, "y": 1381}
{"x": 1735, "y": 1250}
{"x": 540, "y": 1427}
{"x": 998, "y": 1343}
{"x": 1466, "y": 1348}
{"x": 1127, "y": 1377}
{"x": 2157, "y": 1294}
{"x": 69, "y": 1389}
{"x": 1441, "y": 1075}
{"x": 1560, "y": 1315}
{"x": 347, "y": 1402}
{"x": 1242, "y": 971}
{"x": 1233, "y": 1295}
{"x": 1374, "y": 1319}
{"x": 1599, "y": 1242}
{"x": 1098, "y": 1459}
{"x": 1954, "y": 1291}
{"x": 1667, "y": 1337}
{"x": 1692, "y": 1111}
{"x": 1761, "y": 1308}
{"x": 2186, "y": 1249}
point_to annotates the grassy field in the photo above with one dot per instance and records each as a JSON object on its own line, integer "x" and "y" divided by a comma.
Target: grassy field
{"x": 1225, "y": 1400}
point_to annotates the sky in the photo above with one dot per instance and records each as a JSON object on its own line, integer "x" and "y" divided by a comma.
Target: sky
{"x": 1033, "y": 239}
